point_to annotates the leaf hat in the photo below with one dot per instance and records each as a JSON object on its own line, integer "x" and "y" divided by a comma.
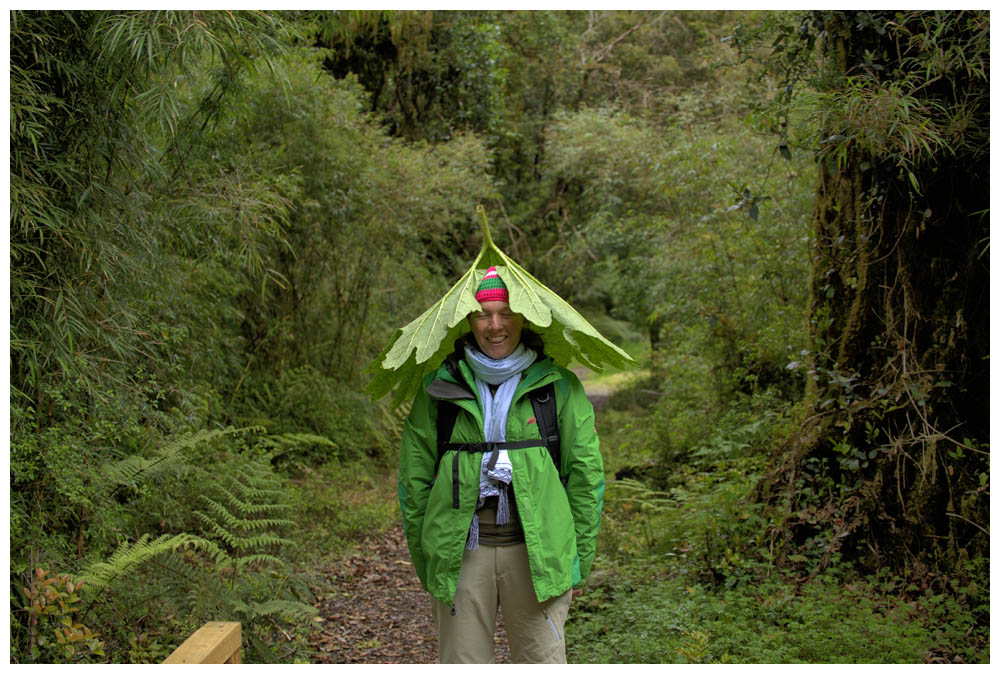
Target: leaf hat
{"x": 420, "y": 347}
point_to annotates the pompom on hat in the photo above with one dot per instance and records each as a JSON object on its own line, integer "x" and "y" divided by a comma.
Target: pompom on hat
{"x": 492, "y": 288}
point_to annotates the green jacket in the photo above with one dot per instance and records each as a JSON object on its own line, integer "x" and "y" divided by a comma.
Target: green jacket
{"x": 560, "y": 524}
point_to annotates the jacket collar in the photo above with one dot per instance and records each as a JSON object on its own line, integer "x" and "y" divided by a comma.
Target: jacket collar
{"x": 449, "y": 390}
{"x": 447, "y": 386}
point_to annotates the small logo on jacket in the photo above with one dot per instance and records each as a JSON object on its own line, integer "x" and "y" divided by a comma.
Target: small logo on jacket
{"x": 531, "y": 420}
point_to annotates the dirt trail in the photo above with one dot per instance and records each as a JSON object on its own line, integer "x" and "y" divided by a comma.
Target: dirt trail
{"x": 376, "y": 611}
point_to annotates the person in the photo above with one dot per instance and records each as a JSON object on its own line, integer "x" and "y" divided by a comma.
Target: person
{"x": 489, "y": 526}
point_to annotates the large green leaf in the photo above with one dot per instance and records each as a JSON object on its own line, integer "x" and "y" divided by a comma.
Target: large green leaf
{"x": 423, "y": 344}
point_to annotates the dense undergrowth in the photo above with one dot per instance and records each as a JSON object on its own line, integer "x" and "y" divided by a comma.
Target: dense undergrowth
{"x": 691, "y": 570}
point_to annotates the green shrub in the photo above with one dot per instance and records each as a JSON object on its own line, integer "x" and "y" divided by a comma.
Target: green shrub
{"x": 675, "y": 621}
{"x": 690, "y": 569}
{"x": 48, "y": 617}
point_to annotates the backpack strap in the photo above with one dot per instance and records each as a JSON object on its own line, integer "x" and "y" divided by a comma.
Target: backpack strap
{"x": 447, "y": 413}
{"x": 543, "y": 402}
{"x": 473, "y": 447}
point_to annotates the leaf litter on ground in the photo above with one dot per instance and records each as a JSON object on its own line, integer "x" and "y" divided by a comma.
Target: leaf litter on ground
{"x": 375, "y": 611}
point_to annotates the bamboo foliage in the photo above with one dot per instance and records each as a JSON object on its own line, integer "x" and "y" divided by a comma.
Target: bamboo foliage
{"x": 85, "y": 88}
{"x": 109, "y": 230}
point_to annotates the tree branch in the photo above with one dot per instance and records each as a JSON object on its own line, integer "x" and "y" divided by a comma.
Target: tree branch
{"x": 603, "y": 54}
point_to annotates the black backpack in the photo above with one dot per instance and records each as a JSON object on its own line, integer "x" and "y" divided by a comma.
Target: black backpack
{"x": 543, "y": 402}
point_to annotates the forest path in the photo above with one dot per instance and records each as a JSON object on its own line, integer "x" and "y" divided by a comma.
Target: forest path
{"x": 376, "y": 612}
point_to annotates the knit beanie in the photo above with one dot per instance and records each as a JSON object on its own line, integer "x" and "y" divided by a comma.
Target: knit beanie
{"x": 492, "y": 288}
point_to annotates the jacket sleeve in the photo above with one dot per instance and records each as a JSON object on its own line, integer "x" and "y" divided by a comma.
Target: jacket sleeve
{"x": 417, "y": 467}
{"x": 583, "y": 468}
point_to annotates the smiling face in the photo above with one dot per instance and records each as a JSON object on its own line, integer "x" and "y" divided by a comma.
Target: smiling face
{"x": 497, "y": 329}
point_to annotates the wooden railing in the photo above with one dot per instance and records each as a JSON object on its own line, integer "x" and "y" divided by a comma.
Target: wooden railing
{"x": 215, "y": 643}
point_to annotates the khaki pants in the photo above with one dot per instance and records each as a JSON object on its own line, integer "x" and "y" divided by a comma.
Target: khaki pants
{"x": 492, "y": 577}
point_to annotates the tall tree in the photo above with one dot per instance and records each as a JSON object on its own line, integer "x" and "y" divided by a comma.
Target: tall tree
{"x": 897, "y": 393}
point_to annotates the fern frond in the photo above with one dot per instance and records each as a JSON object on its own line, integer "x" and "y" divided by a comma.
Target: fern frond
{"x": 242, "y": 523}
{"x": 289, "y": 442}
{"x": 259, "y": 542}
{"x": 244, "y": 512}
{"x": 130, "y": 556}
{"x": 241, "y": 501}
{"x": 394, "y": 417}
{"x": 260, "y": 489}
{"x": 195, "y": 438}
{"x": 241, "y": 543}
{"x": 287, "y": 609}
{"x": 134, "y": 470}
{"x": 217, "y": 529}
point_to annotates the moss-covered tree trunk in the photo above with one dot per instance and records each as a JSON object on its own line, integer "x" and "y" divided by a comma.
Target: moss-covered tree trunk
{"x": 892, "y": 465}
